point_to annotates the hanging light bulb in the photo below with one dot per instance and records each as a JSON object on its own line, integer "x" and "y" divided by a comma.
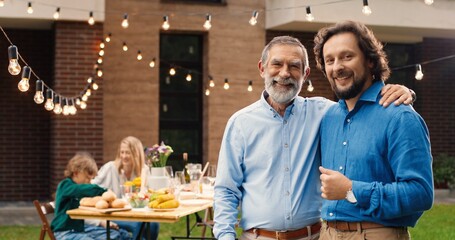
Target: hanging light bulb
{"x": 57, "y": 105}
{"x": 139, "y": 55}
{"x": 366, "y": 9}
{"x": 88, "y": 92}
{"x": 419, "y": 72}
{"x": 250, "y": 86}
{"x": 49, "y": 104}
{"x": 309, "y": 17}
{"x": 95, "y": 86}
{"x": 29, "y": 8}
{"x": 83, "y": 105}
{"x": 208, "y": 22}
{"x": 226, "y": 84}
{"x": 207, "y": 92}
{"x": 100, "y": 60}
{"x": 2, "y": 3}
{"x": 89, "y": 80}
{"x": 78, "y": 101}
{"x": 428, "y": 2}
{"x": 39, "y": 97}
{"x": 165, "y": 25}
{"x": 211, "y": 82}
{"x": 172, "y": 71}
{"x": 73, "y": 109}
{"x": 108, "y": 37}
{"x": 23, "y": 83}
{"x": 102, "y": 45}
{"x": 91, "y": 20}
{"x": 66, "y": 107}
{"x": 125, "y": 47}
{"x": 152, "y": 63}
{"x": 13, "y": 68}
{"x": 254, "y": 18}
{"x": 101, "y": 52}
{"x": 84, "y": 97}
{"x": 188, "y": 76}
{"x": 310, "y": 87}
{"x": 99, "y": 72}
{"x": 125, "y": 22}
{"x": 57, "y": 13}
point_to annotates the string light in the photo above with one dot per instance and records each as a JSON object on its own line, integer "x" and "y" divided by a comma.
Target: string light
{"x": 101, "y": 52}
{"x": 100, "y": 60}
{"x": 39, "y": 97}
{"x": 57, "y": 14}
{"x": 102, "y": 45}
{"x": 309, "y": 17}
{"x": 208, "y": 22}
{"x": 13, "y": 68}
{"x": 310, "y": 87}
{"x": 419, "y": 73}
{"x": 57, "y": 105}
{"x": 254, "y": 18}
{"x": 99, "y": 72}
{"x": 172, "y": 71}
{"x": 207, "y": 92}
{"x": 108, "y": 37}
{"x": 125, "y": 22}
{"x": 165, "y": 25}
{"x": 139, "y": 55}
{"x": 226, "y": 84}
{"x": 188, "y": 77}
{"x": 29, "y": 8}
{"x": 125, "y": 47}
{"x": 49, "y": 105}
{"x": 83, "y": 105}
{"x": 211, "y": 82}
{"x": 23, "y": 84}
{"x": 73, "y": 109}
{"x": 66, "y": 106}
{"x": 91, "y": 20}
{"x": 250, "y": 86}
{"x": 366, "y": 9}
{"x": 428, "y": 2}
{"x": 95, "y": 86}
{"x": 152, "y": 63}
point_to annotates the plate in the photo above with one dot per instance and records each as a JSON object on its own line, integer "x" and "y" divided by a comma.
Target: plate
{"x": 106, "y": 210}
{"x": 163, "y": 209}
{"x": 194, "y": 202}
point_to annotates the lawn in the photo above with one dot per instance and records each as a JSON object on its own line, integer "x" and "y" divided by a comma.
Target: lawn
{"x": 437, "y": 223}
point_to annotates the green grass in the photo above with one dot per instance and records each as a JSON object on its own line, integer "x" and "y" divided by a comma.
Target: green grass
{"x": 437, "y": 223}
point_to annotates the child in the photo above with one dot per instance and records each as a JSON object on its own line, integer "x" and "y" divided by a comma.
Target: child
{"x": 79, "y": 171}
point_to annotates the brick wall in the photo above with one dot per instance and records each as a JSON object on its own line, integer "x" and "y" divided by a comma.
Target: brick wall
{"x": 24, "y": 131}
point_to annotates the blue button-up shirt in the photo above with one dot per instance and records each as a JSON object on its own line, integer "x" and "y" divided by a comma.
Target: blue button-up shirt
{"x": 270, "y": 164}
{"x": 386, "y": 153}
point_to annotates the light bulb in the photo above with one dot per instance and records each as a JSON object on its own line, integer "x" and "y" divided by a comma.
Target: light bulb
{"x": 188, "y": 77}
{"x": 309, "y": 17}
{"x": 57, "y": 105}
{"x": 2, "y": 3}
{"x": 125, "y": 47}
{"x": 39, "y": 97}
{"x": 13, "y": 68}
{"x": 419, "y": 73}
{"x": 49, "y": 104}
{"x": 84, "y": 98}
{"x": 100, "y": 60}
{"x": 95, "y": 86}
{"x": 66, "y": 107}
{"x": 83, "y": 105}
{"x": 429, "y": 2}
{"x": 139, "y": 55}
{"x": 88, "y": 93}
{"x": 99, "y": 72}
{"x": 172, "y": 71}
{"x": 57, "y": 14}
{"x": 102, "y": 45}
{"x": 310, "y": 87}
{"x": 125, "y": 23}
{"x": 250, "y": 86}
{"x": 73, "y": 109}
{"x": 101, "y": 52}
{"x": 24, "y": 84}
{"x": 211, "y": 82}
{"x": 152, "y": 63}
{"x": 165, "y": 25}
{"x": 208, "y": 22}
{"x": 29, "y": 8}
{"x": 254, "y": 18}
{"x": 91, "y": 20}
{"x": 207, "y": 92}
{"x": 108, "y": 37}
{"x": 366, "y": 9}
{"x": 226, "y": 84}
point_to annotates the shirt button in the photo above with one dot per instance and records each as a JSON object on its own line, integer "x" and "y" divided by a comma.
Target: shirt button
{"x": 345, "y": 143}
{"x": 348, "y": 120}
{"x": 287, "y": 193}
{"x": 341, "y": 167}
{"x": 285, "y": 121}
{"x": 286, "y": 145}
{"x": 331, "y": 214}
{"x": 286, "y": 169}
{"x": 288, "y": 217}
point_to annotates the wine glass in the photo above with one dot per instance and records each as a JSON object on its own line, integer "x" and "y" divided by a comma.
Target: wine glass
{"x": 211, "y": 174}
{"x": 169, "y": 171}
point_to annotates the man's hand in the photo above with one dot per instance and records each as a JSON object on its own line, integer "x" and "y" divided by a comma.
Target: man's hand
{"x": 395, "y": 93}
{"x": 112, "y": 225}
{"x": 334, "y": 185}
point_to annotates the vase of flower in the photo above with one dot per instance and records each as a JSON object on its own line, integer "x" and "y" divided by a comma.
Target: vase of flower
{"x": 158, "y": 178}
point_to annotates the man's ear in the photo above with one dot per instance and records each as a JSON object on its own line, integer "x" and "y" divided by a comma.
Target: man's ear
{"x": 261, "y": 68}
{"x": 306, "y": 72}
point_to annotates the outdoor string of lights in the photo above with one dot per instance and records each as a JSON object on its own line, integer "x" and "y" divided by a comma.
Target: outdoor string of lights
{"x": 66, "y": 105}
{"x": 53, "y": 101}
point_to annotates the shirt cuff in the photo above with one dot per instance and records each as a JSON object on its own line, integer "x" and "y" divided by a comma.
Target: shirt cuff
{"x": 227, "y": 236}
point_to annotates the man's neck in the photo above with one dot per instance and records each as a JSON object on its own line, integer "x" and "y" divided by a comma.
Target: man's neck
{"x": 279, "y": 107}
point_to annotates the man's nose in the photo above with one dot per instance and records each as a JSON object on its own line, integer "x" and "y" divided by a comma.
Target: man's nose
{"x": 284, "y": 71}
{"x": 338, "y": 65}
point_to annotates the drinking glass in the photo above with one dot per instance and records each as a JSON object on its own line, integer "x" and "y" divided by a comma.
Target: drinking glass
{"x": 169, "y": 171}
{"x": 211, "y": 174}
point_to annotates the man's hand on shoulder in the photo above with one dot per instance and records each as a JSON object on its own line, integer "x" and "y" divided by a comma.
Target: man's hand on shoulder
{"x": 396, "y": 93}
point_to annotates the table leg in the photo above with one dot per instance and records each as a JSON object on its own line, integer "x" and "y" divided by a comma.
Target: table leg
{"x": 108, "y": 230}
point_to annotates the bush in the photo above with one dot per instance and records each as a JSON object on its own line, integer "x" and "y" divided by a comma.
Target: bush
{"x": 444, "y": 171}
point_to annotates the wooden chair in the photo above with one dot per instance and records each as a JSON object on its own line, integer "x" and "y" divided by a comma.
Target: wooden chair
{"x": 44, "y": 209}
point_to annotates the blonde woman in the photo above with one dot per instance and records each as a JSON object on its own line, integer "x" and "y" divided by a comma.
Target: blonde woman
{"x": 128, "y": 164}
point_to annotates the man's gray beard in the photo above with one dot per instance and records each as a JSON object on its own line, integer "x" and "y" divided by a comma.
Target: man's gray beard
{"x": 282, "y": 97}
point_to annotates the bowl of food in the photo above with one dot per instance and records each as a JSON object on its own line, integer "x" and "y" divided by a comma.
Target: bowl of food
{"x": 139, "y": 200}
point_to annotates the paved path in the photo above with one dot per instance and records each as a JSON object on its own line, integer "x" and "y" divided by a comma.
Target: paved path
{"x": 24, "y": 213}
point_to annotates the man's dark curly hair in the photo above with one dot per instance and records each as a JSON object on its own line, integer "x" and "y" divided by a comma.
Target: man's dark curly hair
{"x": 368, "y": 44}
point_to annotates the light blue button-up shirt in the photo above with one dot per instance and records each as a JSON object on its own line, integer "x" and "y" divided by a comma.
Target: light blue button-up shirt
{"x": 386, "y": 153}
{"x": 269, "y": 164}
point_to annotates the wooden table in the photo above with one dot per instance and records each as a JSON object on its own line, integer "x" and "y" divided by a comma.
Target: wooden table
{"x": 142, "y": 215}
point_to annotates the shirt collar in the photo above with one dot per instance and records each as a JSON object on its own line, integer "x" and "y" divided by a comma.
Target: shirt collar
{"x": 265, "y": 95}
{"x": 370, "y": 95}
